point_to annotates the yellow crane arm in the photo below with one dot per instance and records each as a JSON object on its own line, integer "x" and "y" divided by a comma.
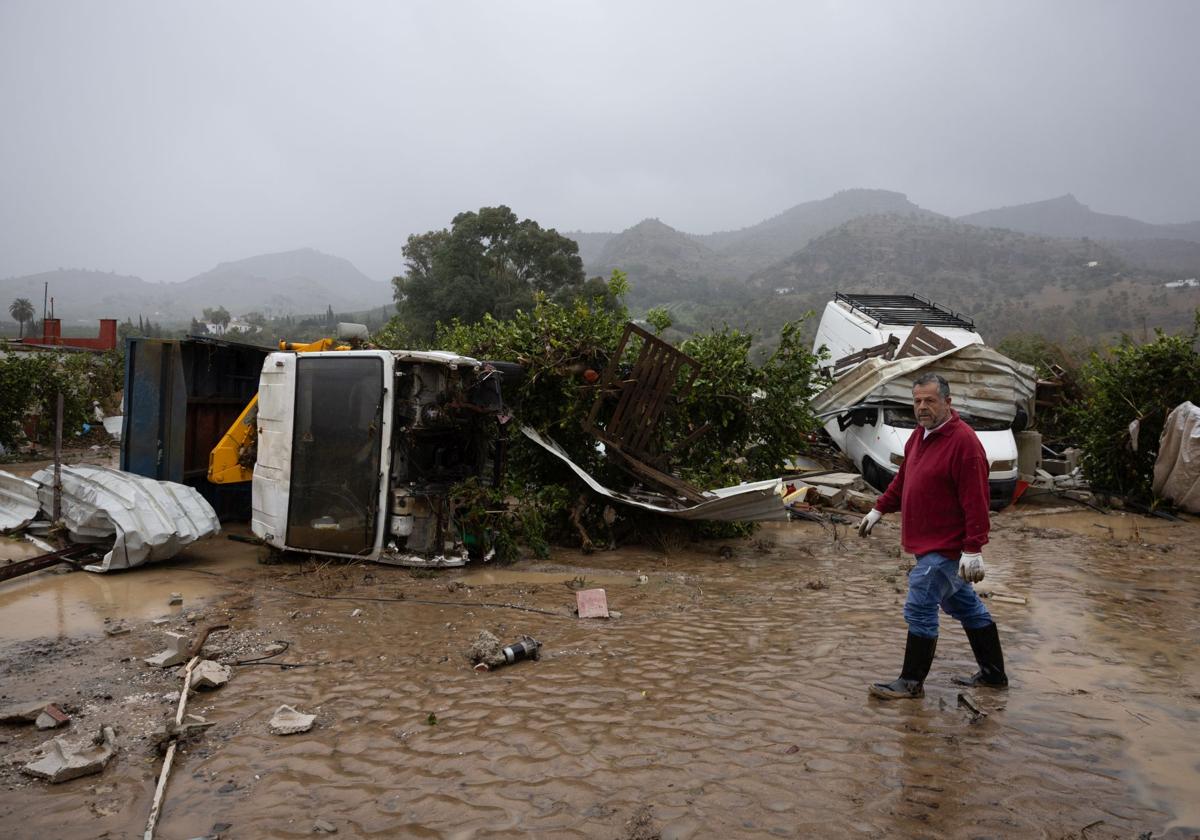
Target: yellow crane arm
{"x": 232, "y": 459}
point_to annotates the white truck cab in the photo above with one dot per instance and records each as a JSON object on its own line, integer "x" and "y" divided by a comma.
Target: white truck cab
{"x": 872, "y": 431}
{"x": 358, "y": 451}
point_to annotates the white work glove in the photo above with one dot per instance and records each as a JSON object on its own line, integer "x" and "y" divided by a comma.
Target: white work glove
{"x": 868, "y": 522}
{"x": 970, "y": 567}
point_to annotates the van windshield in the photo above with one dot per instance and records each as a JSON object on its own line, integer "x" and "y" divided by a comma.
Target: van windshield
{"x": 903, "y": 418}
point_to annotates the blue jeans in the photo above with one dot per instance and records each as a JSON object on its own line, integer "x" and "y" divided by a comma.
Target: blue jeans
{"x": 933, "y": 583}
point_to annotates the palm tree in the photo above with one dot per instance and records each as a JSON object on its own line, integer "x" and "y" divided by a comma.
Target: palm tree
{"x": 21, "y": 311}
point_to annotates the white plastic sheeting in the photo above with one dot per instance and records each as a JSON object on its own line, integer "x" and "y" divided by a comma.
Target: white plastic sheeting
{"x": 983, "y": 383}
{"x": 18, "y": 501}
{"x": 150, "y": 520}
{"x": 757, "y": 501}
{"x": 1177, "y": 468}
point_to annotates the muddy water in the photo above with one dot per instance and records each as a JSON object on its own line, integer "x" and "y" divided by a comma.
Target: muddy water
{"x": 54, "y": 605}
{"x": 729, "y": 699}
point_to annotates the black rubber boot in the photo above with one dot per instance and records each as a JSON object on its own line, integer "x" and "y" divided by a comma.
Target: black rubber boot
{"x": 985, "y": 644}
{"x": 918, "y": 657}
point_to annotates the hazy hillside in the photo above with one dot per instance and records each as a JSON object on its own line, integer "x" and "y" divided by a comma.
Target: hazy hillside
{"x": 1009, "y": 282}
{"x": 1178, "y": 256}
{"x": 590, "y": 245}
{"x": 754, "y": 248}
{"x": 296, "y": 282}
{"x": 1065, "y": 216}
{"x": 662, "y": 263}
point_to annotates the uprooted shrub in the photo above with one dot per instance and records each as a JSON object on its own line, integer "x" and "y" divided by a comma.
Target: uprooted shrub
{"x": 1132, "y": 382}
{"x": 758, "y": 416}
{"x": 30, "y": 384}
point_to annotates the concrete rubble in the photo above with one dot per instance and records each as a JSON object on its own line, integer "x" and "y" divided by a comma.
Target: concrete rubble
{"x": 208, "y": 674}
{"x": 176, "y": 652}
{"x": 52, "y": 717}
{"x": 65, "y": 759}
{"x": 288, "y": 721}
{"x": 26, "y": 712}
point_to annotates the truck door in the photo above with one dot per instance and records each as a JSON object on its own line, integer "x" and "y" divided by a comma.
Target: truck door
{"x": 337, "y": 437}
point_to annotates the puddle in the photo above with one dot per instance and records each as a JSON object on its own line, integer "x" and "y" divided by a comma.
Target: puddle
{"x": 510, "y": 577}
{"x": 61, "y": 604}
{"x": 1117, "y": 525}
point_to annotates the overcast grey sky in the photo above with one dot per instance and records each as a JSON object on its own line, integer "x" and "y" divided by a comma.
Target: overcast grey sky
{"x": 158, "y": 138}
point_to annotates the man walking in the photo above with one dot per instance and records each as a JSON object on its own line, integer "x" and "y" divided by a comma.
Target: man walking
{"x": 941, "y": 492}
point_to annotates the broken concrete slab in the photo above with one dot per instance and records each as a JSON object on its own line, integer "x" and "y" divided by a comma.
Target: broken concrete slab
{"x": 176, "y": 652}
{"x": 830, "y": 496}
{"x": 174, "y": 599}
{"x": 208, "y": 674}
{"x": 592, "y": 603}
{"x": 288, "y": 721}
{"x": 69, "y": 759}
{"x": 26, "y": 712}
{"x": 324, "y": 827}
{"x": 52, "y": 717}
{"x": 842, "y": 481}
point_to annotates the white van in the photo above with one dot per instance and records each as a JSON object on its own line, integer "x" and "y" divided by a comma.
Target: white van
{"x": 872, "y": 432}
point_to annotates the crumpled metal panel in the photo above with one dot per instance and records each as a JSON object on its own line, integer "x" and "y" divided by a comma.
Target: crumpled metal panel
{"x": 758, "y": 501}
{"x": 150, "y": 520}
{"x": 983, "y": 383}
{"x": 18, "y": 501}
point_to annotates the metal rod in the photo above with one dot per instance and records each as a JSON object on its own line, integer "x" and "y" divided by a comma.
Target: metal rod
{"x": 58, "y": 424}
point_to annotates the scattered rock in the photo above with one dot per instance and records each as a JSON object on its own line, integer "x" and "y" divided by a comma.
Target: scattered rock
{"x": 614, "y": 614}
{"x": 288, "y": 721}
{"x": 324, "y": 827}
{"x": 486, "y": 650}
{"x": 641, "y": 826}
{"x": 816, "y": 584}
{"x": 175, "y": 654}
{"x": 274, "y": 648}
{"x": 356, "y": 613}
{"x": 52, "y": 717}
{"x": 159, "y": 622}
{"x": 209, "y": 674}
{"x": 64, "y": 760}
{"x": 175, "y": 599}
{"x": 116, "y": 630}
{"x": 192, "y": 618}
{"x": 592, "y": 603}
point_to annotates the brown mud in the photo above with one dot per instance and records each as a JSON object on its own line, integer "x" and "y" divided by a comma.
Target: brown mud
{"x": 729, "y": 700}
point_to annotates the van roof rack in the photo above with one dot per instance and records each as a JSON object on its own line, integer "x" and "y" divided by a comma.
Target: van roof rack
{"x": 905, "y": 311}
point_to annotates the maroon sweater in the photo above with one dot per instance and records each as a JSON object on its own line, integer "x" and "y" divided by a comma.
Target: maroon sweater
{"x": 941, "y": 491}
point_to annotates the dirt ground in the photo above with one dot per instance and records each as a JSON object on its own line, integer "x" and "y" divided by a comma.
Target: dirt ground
{"x": 728, "y": 700}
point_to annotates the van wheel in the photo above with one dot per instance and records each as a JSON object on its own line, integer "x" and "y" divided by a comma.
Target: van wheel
{"x": 875, "y": 475}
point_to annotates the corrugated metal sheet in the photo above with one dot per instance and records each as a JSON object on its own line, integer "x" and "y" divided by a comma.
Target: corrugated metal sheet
{"x": 18, "y": 501}
{"x": 757, "y": 501}
{"x": 983, "y": 383}
{"x": 150, "y": 520}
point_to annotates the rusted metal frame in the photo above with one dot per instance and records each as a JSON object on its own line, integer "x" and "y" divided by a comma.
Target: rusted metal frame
{"x": 883, "y": 350}
{"x": 660, "y": 368}
{"x": 643, "y": 436}
{"x": 43, "y": 561}
{"x": 606, "y": 380}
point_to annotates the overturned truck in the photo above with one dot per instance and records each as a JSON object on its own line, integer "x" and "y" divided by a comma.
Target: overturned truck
{"x": 357, "y": 451}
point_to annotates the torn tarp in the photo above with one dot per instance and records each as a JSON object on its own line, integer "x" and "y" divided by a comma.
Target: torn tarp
{"x": 757, "y": 501}
{"x": 1177, "y": 467}
{"x": 983, "y": 383}
{"x": 151, "y": 520}
{"x": 18, "y": 502}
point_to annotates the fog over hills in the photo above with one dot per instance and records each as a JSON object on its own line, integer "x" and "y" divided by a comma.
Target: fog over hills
{"x": 293, "y": 282}
{"x": 1066, "y": 216}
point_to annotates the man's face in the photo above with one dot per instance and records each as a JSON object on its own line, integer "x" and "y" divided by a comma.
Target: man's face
{"x": 930, "y": 407}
